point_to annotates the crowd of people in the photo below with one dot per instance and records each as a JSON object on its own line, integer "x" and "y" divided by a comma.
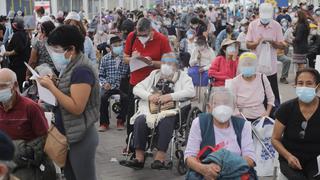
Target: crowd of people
{"x": 160, "y": 57}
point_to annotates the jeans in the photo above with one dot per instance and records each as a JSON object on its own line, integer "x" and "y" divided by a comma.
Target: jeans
{"x": 286, "y": 61}
{"x": 105, "y": 95}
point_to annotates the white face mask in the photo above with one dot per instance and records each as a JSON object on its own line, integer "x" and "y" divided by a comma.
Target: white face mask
{"x": 222, "y": 113}
{"x": 144, "y": 40}
{"x": 243, "y": 29}
{"x": 313, "y": 32}
{"x": 2, "y": 178}
{"x": 166, "y": 70}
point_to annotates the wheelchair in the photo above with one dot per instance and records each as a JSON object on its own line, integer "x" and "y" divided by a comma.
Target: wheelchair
{"x": 177, "y": 142}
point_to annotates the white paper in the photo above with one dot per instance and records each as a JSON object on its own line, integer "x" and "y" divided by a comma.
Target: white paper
{"x": 317, "y": 65}
{"x": 136, "y": 64}
{"x": 49, "y": 116}
{"x": 318, "y": 162}
{"x": 44, "y": 94}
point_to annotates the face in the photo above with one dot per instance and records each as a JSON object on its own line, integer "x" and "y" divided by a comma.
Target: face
{"x": 193, "y": 26}
{"x": 219, "y": 100}
{"x": 306, "y": 79}
{"x": 71, "y": 22}
{"x": 229, "y": 28}
{"x": 67, "y": 53}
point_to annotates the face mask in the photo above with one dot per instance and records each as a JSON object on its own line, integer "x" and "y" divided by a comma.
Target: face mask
{"x": 100, "y": 32}
{"x": 284, "y": 24}
{"x": 230, "y": 49}
{"x": 243, "y": 29}
{"x": 167, "y": 22}
{"x": 189, "y": 35}
{"x": 248, "y": 71}
{"x": 117, "y": 50}
{"x": 144, "y": 40}
{"x": 166, "y": 70}
{"x": 59, "y": 61}
{"x": 306, "y": 94}
{"x": 202, "y": 48}
{"x": 194, "y": 26}
{"x": 265, "y": 21}
{"x": 5, "y": 95}
{"x": 318, "y": 13}
{"x": 2, "y": 177}
{"x": 222, "y": 113}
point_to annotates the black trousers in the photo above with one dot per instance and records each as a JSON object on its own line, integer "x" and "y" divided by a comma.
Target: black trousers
{"x": 130, "y": 110}
{"x": 21, "y": 75}
{"x": 104, "y": 106}
{"x": 309, "y": 169}
{"x": 275, "y": 89}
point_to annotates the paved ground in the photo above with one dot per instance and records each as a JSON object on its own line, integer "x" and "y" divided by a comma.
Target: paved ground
{"x": 112, "y": 142}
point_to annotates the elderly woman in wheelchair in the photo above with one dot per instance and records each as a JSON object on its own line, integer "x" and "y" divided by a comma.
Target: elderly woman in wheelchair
{"x": 224, "y": 136}
{"x": 157, "y": 109}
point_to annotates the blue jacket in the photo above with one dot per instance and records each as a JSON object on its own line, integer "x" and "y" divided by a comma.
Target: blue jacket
{"x": 223, "y": 35}
{"x": 232, "y": 166}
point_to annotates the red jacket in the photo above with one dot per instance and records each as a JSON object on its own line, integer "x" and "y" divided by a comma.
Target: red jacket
{"x": 222, "y": 69}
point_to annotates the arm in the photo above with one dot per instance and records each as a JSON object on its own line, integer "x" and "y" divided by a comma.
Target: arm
{"x": 141, "y": 89}
{"x": 32, "y": 61}
{"x": 214, "y": 70}
{"x": 187, "y": 90}
{"x": 250, "y": 41}
{"x": 247, "y": 149}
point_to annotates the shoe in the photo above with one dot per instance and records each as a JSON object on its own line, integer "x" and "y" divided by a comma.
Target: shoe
{"x": 284, "y": 81}
{"x": 120, "y": 125}
{"x": 158, "y": 165}
{"x": 134, "y": 164}
{"x": 103, "y": 127}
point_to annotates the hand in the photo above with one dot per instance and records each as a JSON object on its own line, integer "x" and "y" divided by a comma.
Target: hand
{"x": 210, "y": 171}
{"x": 135, "y": 54}
{"x": 107, "y": 86}
{"x": 201, "y": 70}
{"x": 294, "y": 162}
{"x": 266, "y": 114}
{"x": 46, "y": 82}
{"x": 165, "y": 98}
{"x": 154, "y": 98}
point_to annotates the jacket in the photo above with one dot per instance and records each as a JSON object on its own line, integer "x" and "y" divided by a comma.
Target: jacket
{"x": 75, "y": 125}
{"x": 300, "y": 42}
{"x": 232, "y": 165}
{"x": 183, "y": 89}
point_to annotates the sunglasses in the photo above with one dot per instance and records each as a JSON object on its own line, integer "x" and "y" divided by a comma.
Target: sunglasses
{"x": 302, "y": 133}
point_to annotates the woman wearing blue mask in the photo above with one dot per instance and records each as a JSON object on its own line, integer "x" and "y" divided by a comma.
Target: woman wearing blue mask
{"x": 296, "y": 131}
{"x": 78, "y": 100}
{"x": 251, "y": 88}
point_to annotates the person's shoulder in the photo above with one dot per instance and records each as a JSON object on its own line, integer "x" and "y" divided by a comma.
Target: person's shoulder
{"x": 290, "y": 103}
{"x": 130, "y": 35}
{"x": 27, "y": 102}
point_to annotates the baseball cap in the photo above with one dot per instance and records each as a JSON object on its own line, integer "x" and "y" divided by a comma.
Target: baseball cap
{"x": 265, "y": 11}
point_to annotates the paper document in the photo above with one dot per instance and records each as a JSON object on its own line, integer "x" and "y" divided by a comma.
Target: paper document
{"x": 44, "y": 94}
{"x": 136, "y": 64}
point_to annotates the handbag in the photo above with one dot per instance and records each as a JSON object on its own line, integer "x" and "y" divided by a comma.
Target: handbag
{"x": 56, "y": 146}
{"x": 264, "y": 58}
{"x": 154, "y": 108}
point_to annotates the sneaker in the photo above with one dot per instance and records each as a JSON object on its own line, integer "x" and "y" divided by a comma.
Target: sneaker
{"x": 134, "y": 164}
{"x": 120, "y": 125}
{"x": 103, "y": 127}
{"x": 158, "y": 165}
{"x": 284, "y": 81}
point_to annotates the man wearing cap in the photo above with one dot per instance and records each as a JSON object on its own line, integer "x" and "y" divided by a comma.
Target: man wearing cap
{"x": 112, "y": 70}
{"x": 146, "y": 44}
{"x": 161, "y": 86}
{"x": 6, "y": 156}
{"x": 227, "y": 33}
{"x": 265, "y": 30}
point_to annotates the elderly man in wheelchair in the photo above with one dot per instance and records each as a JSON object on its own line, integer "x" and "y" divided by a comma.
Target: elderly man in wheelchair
{"x": 220, "y": 145}
{"x": 158, "y": 111}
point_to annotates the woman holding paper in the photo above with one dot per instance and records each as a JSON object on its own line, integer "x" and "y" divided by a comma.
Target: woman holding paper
{"x": 77, "y": 94}
{"x": 296, "y": 130}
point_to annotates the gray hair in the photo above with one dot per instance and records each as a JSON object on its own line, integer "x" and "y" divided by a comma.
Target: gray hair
{"x": 143, "y": 25}
{"x": 11, "y": 74}
{"x": 224, "y": 93}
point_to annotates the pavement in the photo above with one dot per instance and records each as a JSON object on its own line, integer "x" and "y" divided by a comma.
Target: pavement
{"x": 113, "y": 141}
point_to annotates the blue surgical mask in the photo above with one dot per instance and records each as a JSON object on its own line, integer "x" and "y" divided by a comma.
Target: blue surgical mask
{"x": 117, "y": 50}
{"x": 265, "y": 21}
{"x": 5, "y": 95}
{"x": 306, "y": 94}
{"x": 231, "y": 49}
{"x": 248, "y": 71}
{"x": 59, "y": 61}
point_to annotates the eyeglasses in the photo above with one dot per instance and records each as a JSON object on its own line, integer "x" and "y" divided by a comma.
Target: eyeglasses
{"x": 302, "y": 133}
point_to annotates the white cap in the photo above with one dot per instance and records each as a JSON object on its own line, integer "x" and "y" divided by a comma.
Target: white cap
{"x": 265, "y": 11}
{"x": 44, "y": 19}
{"x": 244, "y": 21}
{"x": 73, "y": 16}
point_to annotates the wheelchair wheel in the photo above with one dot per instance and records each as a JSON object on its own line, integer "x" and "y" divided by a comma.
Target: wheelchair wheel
{"x": 193, "y": 113}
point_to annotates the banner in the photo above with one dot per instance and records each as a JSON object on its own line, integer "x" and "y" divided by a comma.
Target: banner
{"x": 276, "y": 3}
{"x": 44, "y": 4}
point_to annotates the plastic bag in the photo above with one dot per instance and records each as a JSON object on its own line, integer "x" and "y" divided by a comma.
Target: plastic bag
{"x": 264, "y": 158}
{"x": 264, "y": 58}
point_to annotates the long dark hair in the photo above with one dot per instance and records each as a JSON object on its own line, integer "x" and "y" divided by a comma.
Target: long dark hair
{"x": 302, "y": 19}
